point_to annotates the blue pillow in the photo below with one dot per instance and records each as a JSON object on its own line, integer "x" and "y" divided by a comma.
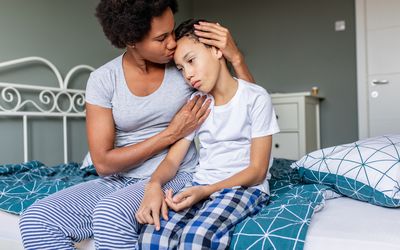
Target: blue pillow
{"x": 366, "y": 170}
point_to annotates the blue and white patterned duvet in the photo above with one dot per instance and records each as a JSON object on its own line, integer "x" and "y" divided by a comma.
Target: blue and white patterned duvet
{"x": 281, "y": 224}
{"x": 284, "y": 221}
{"x": 22, "y": 184}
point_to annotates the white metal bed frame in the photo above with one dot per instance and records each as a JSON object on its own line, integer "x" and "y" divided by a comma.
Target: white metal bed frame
{"x": 48, "y": 104}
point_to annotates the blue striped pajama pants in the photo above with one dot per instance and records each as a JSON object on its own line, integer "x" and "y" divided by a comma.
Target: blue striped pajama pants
{"x": 103, "y": 208}
{"x": 208, "y": 224}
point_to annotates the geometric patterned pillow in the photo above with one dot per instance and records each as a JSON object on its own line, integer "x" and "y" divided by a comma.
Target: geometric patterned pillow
{"x": 366, "y": 170}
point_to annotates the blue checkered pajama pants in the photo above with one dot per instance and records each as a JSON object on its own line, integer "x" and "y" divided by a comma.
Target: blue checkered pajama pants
{"x": 207, "y": 225}
{"x": 104, "y": 208}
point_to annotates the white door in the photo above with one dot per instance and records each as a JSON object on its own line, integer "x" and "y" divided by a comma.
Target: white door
{"x": 382, "y": 34}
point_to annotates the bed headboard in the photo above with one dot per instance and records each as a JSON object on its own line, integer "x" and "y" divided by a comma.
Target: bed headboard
{"x": 42, "y": 101}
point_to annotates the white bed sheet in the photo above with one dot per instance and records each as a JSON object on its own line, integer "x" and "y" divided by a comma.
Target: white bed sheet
{"x": 9, "y": 232}
{"x": 347, "y": 224}
{"x": 343, "y": 224}
{"x": 10, "y": 237}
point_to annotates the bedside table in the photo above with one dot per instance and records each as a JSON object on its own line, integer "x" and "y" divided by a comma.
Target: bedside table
{"x": 298, "y": 119}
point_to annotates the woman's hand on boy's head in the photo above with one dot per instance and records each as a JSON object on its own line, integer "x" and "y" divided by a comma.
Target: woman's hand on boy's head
{"x": 153, "y": 202}
{"x": 187, "y": 198}
{"x": 215, "y": 35}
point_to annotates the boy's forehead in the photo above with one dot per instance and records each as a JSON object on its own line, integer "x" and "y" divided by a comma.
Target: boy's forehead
{"x": 185, "y": 42}
{"x": 184, "y": 46}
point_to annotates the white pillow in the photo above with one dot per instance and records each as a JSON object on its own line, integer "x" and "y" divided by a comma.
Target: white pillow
{"x": 87, "y": 161}
{"x": 367, "y": 170}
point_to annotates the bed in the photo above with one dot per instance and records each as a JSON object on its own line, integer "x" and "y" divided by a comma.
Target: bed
{"x": 344, "y": 224}
{"x": 329, "y": 221}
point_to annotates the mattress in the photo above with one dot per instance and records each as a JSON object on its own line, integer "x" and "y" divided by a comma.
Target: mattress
{"x": 343, "y": 224}
{"x": 10, "y": 238}
{"x": 347, "y": 224}
{"x": 9, "y": 232}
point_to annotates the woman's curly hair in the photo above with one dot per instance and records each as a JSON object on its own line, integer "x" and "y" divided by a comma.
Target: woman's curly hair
{"x": 126, "y": 22}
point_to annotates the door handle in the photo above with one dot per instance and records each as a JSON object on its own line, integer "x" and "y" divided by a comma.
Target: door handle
{"x": 379, "y": 82}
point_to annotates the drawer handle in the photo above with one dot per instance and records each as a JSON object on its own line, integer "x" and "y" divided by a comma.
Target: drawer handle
{"x": 276, "y": 145}
{"x": 376, "y": 82}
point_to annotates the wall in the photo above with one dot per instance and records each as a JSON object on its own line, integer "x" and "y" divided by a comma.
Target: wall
{"x": 291, "y": 46}
{"x": 185, "y": 11}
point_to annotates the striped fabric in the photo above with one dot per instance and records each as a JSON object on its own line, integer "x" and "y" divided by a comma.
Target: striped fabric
{"x": 207, "y": 225}
{"x": 104, "y": 208}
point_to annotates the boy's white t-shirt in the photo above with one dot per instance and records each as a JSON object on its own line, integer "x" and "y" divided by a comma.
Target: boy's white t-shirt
{"x": 225, "y": 136}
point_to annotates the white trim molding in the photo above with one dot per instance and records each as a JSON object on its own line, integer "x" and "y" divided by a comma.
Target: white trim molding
{"x": 362, "y": 73}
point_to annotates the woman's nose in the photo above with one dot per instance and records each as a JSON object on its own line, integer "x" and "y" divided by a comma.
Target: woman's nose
{"x": 171, "y": 45}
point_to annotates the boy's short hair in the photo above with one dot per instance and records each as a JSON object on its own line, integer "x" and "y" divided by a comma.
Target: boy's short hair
{"x": 186, "y": 29}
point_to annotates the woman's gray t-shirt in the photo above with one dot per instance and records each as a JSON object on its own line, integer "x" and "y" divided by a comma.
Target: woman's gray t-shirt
{"x": 138, "y": 118}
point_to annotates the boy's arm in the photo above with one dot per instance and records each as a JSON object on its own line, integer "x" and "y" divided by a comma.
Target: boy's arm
{"x": 215, "y": 35}
{"x": 170, "y": 165}
{"x": 254, "y": 174}
{"x": 153, "y": 200}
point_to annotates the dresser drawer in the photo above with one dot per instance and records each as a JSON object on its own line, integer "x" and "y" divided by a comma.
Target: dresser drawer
{"x": 285, "y": 145}
{"x": 287, "y": 115}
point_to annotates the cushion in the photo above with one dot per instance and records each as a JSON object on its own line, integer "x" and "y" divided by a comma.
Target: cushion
{"x": 87, "y": 161}
{"x": 284, "y": 221}
{"x": 366, "y": 170}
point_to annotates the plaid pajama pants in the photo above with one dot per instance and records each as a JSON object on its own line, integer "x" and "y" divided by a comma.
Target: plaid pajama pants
{"x": 207, "y": 225}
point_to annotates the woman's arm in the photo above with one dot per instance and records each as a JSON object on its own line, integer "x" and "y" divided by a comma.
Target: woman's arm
{"x": 254, "y": 174}
{"x": 215, "y": 35}
{"x": 101, "y": 137}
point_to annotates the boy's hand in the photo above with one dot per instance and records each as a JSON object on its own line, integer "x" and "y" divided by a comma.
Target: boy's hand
{"x": 215, "y": 35}
{"x": 187, "y": 198}
{"x": 153, "y": 202}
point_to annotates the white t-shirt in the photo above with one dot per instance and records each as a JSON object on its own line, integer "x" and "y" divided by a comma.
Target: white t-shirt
{"x": 225, "y": 137}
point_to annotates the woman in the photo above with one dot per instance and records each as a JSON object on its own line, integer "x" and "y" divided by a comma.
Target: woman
{"x": 131, "y": 122}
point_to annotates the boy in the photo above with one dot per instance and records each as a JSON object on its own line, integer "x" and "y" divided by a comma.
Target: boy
{"x": 229, "y": 182}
